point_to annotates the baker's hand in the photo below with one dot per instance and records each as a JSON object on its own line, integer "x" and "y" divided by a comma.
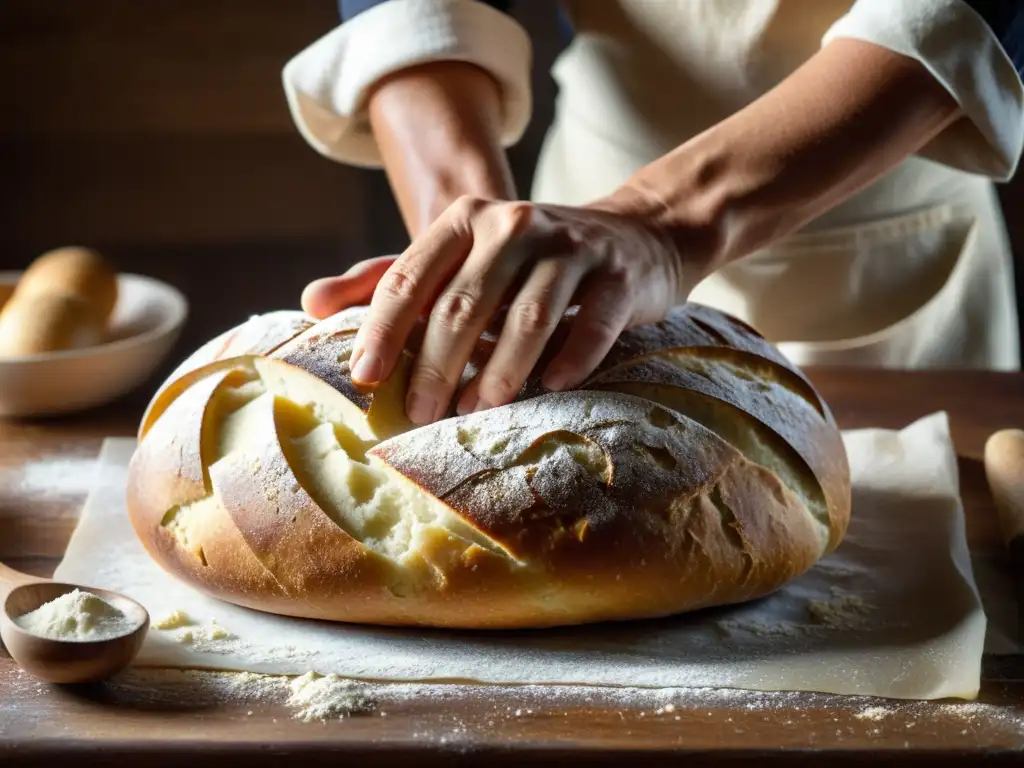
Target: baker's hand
{"x": 481, "y": 255}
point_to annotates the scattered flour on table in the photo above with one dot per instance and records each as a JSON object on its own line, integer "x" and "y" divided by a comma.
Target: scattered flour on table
{"x": 313, "y": 697}
{"x": 202, "y": 638}
{"x": 326, "y": 697}
{"x": 53, "y": 478}
{"x": 873, "y": 713}
{"x": 77, "y": 615}
{"x": 176, "y": 619}
{"x": 216, "y": 639}
{"x": 975, "y": 714}
{"x": 243, "y": 686}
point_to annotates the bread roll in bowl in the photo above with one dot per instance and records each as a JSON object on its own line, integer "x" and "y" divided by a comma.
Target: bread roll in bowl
{"x": 74, "y": 271}
{"x": 63, "y": 301}
{"x": 49, "y": 322}
{"x": 696, "y": 467}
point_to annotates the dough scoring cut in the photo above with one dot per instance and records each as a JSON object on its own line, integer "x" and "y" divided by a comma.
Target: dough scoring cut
{"x": 696, "y": 467}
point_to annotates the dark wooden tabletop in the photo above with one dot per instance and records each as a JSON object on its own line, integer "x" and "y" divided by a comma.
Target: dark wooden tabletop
{"x": 43, "y": 481}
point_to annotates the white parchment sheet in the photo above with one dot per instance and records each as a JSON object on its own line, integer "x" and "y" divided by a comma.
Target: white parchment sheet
{"x": 894, "y": 612}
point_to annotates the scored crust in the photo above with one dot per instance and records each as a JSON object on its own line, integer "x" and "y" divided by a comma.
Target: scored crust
{"x": 695, "y": 467}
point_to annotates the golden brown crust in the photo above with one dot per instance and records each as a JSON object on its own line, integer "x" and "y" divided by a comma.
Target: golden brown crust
{"x": 49, "y": 322}
{"x": 756, "y": 396}
{"x": 168, "y": 474}
{"x": 324, "y": 351}
{"x": 697, "y": 467}
{"x": 62, "y": 301}
{"x": 646, "y": 498}
{"x": 72, "y": 271}
{"x": 260, "y": 335}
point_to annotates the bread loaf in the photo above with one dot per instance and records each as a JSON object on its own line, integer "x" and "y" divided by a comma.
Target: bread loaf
{"x": 48, "y": 322}
{"x": 62, "y": 301}
{"x": 696, "y": 467}
{"x": 73, "y": 270}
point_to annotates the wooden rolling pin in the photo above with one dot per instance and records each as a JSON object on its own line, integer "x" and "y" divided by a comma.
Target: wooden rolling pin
{"x": 63, "y": 301}
{"x": 1004, "y": 468}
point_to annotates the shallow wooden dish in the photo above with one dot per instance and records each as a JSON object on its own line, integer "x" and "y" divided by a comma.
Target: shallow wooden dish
{"x": 64, "y": 661}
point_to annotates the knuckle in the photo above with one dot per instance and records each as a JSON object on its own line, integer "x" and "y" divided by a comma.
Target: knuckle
{"x": 375, "y": 334}
{"x": 532, "y": 318}
{"x": 617, "y": 282}
{"x": 617, "y": 267}
{"x": 514, "y": 219}
{"x": 500, "y": 387}
{"x": 468, "y": 205}
{"x": 428, "y": 377}
{"x": 456, "y": 310}
{"x": 602, "y": 328}
{"x": 396, "y": 285}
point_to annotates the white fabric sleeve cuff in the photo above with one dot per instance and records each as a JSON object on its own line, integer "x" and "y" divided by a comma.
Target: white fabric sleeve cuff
{"x": 956, "y": 45}
{"x": 326, "y": 84}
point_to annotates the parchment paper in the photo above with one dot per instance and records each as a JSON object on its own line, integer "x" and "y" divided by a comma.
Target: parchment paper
{"x": 894, "y": 612}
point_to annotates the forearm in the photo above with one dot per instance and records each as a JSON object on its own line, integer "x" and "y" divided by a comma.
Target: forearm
{"x": 850, "y": 114}
{"x": 438, "y": 130}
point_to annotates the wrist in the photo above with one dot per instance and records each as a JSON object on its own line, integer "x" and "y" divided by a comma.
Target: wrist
{"x": 461, "y": 171}
{"x": 688, "y": 198}
{"x": 438, "y": 130}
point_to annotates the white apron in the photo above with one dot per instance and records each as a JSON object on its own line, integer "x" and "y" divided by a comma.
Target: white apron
{"x": 913, "y": 272}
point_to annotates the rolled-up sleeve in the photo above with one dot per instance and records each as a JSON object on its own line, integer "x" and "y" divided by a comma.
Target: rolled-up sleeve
{"x": 327, "y": 83}
{"x": 966, "y": 46}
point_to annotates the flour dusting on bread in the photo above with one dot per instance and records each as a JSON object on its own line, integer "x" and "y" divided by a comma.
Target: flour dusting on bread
{"x": 696, "y": 467}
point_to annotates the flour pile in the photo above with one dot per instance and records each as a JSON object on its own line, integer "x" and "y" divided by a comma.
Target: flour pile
{"x": 79, "y": 616}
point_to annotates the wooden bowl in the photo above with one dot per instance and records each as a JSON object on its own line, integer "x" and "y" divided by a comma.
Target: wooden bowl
{"x": 69, "y": 661}
{"x": 145, "y": 324}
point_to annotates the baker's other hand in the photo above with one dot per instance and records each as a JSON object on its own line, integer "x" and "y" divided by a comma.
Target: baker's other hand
{"x": 618, "y": 268}
{"x": 353, "y": 288}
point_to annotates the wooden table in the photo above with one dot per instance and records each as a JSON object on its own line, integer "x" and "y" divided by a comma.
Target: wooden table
{"x": 43, "y": 480}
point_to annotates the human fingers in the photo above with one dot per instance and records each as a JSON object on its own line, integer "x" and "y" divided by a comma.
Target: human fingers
{"x": 407, "y": 288}
{"x": 328, "y": 295}
{"x": 605, "y": 309}
{"x": 459, "y": 316}
{"x": 506, "y": 236}
{"x": 529, "y": 322}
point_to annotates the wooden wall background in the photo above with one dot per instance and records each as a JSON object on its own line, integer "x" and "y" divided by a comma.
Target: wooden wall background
{"x": 157, "y": 132}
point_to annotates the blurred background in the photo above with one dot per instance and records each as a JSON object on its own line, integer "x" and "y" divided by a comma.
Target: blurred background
{"x": 157, "y": 132}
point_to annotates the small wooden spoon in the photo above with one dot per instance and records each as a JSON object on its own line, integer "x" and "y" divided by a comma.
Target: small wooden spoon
{"x": 64, "y": 661}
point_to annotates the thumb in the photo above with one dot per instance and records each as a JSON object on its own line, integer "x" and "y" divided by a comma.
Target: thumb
{"x": 323, "y": 297}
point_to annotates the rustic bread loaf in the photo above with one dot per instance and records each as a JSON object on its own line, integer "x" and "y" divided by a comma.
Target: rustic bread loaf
{"x": 62, "y": 301}
{"x": 696, "y": 467}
